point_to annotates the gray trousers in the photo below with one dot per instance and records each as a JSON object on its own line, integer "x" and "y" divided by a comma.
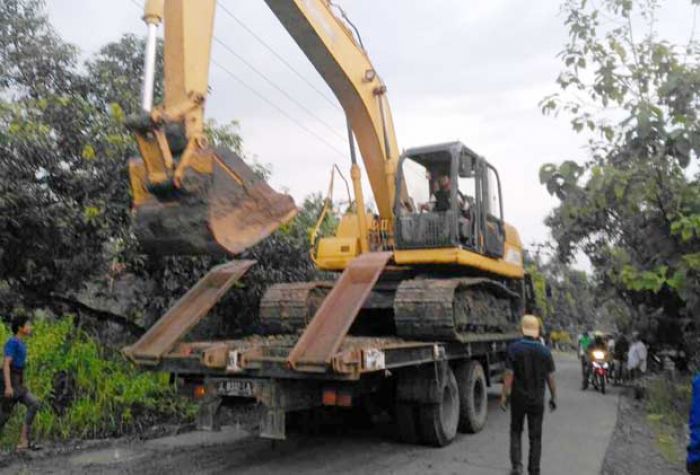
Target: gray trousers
{"x": 22, "y": 396}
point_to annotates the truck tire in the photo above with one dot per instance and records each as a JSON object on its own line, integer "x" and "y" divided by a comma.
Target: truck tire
{"x": 406, "y": 418}
{"x": 473, "y": 397}
{"x": 438, "y": 422}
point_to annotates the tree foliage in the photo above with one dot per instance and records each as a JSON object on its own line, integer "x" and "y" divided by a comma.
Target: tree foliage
{"x": 566, "y": 297}
{"x": 634, "y": 206}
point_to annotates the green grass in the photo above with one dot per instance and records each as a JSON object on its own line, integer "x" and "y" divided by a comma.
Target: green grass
{"x": 108, "y": 396}
{"x": 667, "y": 406}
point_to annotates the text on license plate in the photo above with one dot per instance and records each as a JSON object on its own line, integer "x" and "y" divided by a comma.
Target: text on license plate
{"x": 237, "y": 387}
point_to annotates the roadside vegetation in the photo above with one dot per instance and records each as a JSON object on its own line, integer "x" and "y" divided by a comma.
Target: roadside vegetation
{"x": 633, "y": 206}
{"x": 667, "y": 404}
{"x": 89, "y": 391}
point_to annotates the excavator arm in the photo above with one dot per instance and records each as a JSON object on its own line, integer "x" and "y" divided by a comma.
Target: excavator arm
{"x": 343, "y": 63}
{"x": 189, "y": 198}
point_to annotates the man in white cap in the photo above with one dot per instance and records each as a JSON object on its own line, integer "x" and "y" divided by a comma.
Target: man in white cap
{"x": 529, "y": 364}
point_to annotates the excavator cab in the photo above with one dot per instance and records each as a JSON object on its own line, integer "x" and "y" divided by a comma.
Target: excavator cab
{"x": 454, "y": 200}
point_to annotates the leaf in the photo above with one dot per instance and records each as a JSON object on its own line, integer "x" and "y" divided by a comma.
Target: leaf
{"x": 90, "y": 213}
{"x": 608, "y": 133}
{"x": 692, "y": 260}
{"x": 547, "y": 171}
{"x": 571, "y": 171}
{"x": 88, "y": 152}
{"x": 619, "y": 189}
{"x": 677, "y": 280}
{"x": 117, "y": 112}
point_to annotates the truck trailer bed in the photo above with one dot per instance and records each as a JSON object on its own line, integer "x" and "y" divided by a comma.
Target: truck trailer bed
{"x": 267, "y": 356}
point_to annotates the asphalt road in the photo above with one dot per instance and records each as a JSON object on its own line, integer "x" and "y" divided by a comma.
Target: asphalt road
{"x": 575, "y": 439}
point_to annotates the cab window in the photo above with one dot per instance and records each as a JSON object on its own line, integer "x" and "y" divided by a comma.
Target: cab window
{"x": 494, "y": 202}
{"x": 417, "y": 180}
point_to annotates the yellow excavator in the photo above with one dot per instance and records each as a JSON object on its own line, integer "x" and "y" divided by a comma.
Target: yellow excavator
{"x": 436, "y": 263}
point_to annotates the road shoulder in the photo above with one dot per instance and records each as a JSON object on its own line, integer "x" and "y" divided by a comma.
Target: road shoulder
{"x": 633, "y": 449}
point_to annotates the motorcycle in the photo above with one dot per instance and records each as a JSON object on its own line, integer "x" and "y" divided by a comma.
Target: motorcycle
{"x": 599, "y": 371}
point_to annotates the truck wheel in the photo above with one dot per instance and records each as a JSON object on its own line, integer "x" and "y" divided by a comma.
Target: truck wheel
{"x": 473, "y": 397}
{"x": 438, "y": 422}
{"x": 406, "y": 417}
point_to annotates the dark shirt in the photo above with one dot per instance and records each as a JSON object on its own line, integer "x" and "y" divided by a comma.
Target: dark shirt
{"x": 622, "y": 347}
{"x": 531, "y": 363}
{"x": 694, "y": 423}
{"x": 16, "y": 349}
{"x": 442, "y": 200}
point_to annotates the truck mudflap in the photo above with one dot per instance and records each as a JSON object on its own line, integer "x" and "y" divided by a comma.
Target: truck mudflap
{"x": 186, "y": 313}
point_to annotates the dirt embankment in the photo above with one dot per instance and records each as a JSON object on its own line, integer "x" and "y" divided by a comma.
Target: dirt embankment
{"x": 635, "y": 447}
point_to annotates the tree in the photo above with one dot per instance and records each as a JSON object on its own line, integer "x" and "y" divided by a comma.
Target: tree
{"x": 634, "y": 206}
{"x": 566, "y": 297}
{"x": 49, "y": 226}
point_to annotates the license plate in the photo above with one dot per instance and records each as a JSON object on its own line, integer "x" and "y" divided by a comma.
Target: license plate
{"x": 237, "y": 387}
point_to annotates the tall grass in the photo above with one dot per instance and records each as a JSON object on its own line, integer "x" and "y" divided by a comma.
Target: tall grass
{"x": 104, "y": 395}
{"x": 668, "y": 405}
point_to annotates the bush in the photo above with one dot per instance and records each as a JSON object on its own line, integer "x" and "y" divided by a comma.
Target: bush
{"x": 88, "y": 391}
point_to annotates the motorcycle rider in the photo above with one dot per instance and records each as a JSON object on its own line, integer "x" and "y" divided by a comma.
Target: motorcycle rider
{"x": 583, "y": 343}
{"x": 598, "y": 344}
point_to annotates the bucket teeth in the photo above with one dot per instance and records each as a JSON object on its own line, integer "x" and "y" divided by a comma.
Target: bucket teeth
{"x": 225, "y": 212}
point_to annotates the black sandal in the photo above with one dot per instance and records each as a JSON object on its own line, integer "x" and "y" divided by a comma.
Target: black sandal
{"x": 32, "y": 446}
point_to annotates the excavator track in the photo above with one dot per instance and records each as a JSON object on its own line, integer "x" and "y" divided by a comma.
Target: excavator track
{"x": 288, "y": 308}
{"x": 424, "y": 309}
{"x": 453, "y": 309}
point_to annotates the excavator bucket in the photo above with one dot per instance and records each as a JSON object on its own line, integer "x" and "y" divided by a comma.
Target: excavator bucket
{"x": 222, "y": 212}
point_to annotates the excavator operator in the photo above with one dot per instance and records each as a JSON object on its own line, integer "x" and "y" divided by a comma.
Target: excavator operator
{"x": 440, "y": 199}
{"x": 442, "y": 194}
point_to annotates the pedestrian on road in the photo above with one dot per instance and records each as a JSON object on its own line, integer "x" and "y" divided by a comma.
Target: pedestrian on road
{"x": 611, "y": 344}
{"x": 13, "y": 381}
{"x": 529, "y": 364}
{"x": 637, "y": 357}
{"x": 693, "y": 463}
{"x": 622, "y": 348}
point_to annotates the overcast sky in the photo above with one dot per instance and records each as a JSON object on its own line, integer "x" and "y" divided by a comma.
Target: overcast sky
{"x": 468, "y": 70}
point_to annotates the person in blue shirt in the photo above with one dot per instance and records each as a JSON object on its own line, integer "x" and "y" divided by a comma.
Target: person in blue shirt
{"x": 15, "y": 390}
{"x": 694, "y": 426}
